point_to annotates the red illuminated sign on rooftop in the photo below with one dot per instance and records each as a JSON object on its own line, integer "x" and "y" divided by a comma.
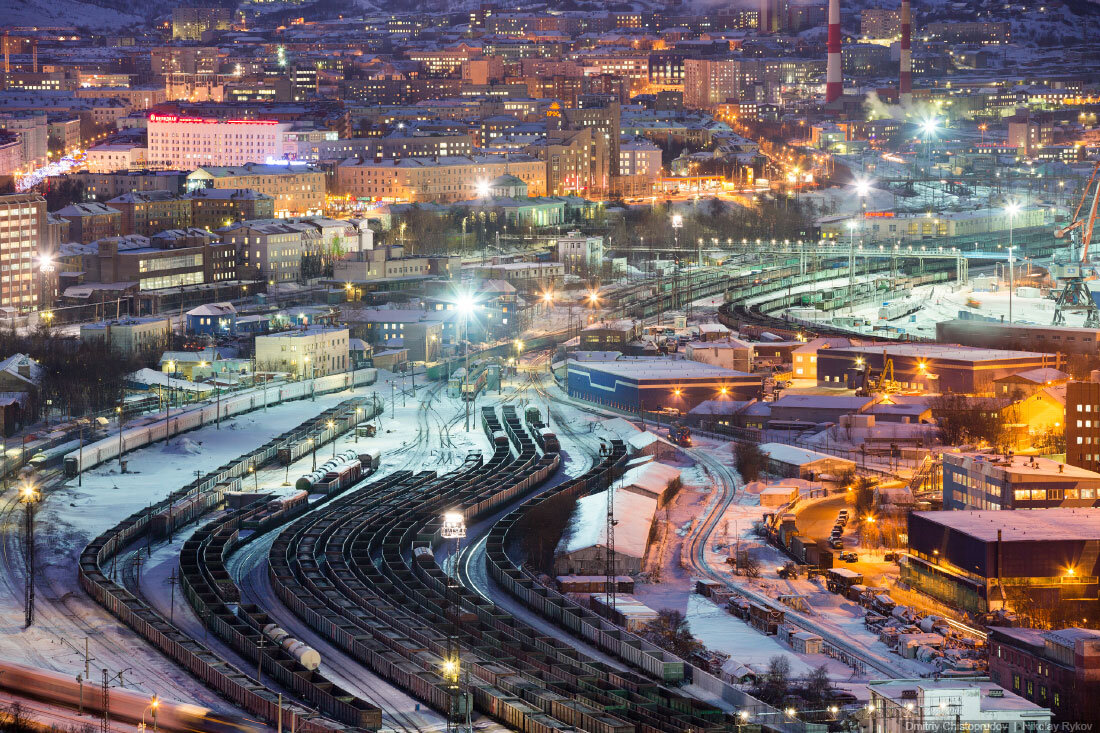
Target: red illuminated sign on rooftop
{"x": 154, "y": 117}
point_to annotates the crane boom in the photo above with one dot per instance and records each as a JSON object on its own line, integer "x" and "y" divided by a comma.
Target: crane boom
{"x": 1075, "y": 297}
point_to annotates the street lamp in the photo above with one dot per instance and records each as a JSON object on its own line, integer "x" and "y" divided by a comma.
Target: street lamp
{"x": 29, "y": 495}
{"x": 358, "y": 417}
{"x": 168, "y": 398}
{"x": 118, "y": 411}
{"x": 153, "y": 705}
{"x": 313, "y": 446}
{"x": 332, "y": 426}
{"x": 1012, "y": 208}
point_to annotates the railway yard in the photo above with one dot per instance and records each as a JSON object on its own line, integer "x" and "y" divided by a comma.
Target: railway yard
{"x": 283, "y": 567}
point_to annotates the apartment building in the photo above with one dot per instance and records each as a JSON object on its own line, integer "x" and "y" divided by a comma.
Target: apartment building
{"x": 298, "y": 189}
{"x": 268, "y": 251}
{"x": 442, "y": 180}
{"x": 22, "y": 225}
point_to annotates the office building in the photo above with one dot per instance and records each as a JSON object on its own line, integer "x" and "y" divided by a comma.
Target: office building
{"x": 298, "y": 189}
{"x": 993, "y": 481}
{"x": 178, "y": 141}
{"x": 308, "y": 352}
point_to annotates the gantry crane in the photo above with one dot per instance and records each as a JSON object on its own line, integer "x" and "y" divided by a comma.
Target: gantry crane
{"x": 1075, "y": 296}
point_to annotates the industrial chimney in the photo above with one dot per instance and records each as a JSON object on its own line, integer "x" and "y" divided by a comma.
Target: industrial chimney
{"x": 834, "y": 84}
{"x": 905, "y": 86}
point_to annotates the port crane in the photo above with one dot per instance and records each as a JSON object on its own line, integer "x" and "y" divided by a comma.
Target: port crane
{"x": 1075, "y": 296}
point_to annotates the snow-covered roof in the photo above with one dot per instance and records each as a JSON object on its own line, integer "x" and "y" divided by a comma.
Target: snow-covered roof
{"x": 823, "y": 402}
{"x": 213, "y": 309}
{"x": 794, "y": 456}
{"x": 22, "y": 367}
{"x": 589, "y": 523}
{"x": 652, "y": 477}
{"x": 622, "y": 428}
{"x": 1041, "y": 375}
{"x": 1033, "y": 525}
{"x": 152, "y": 377}
{"x": 642, "y": 440}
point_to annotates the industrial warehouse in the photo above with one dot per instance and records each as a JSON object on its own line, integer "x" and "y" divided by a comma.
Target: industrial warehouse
{"x": 988, "y": 560}
{"x": 649, "y": 384}
{"x": 925, "y": 367}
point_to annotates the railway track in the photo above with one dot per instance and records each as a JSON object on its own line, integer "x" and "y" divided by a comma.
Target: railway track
{"x": 362, "y": 574}
{"x": 197, "y": 659}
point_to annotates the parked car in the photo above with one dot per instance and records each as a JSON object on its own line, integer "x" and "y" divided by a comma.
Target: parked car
{"x": 836, "y": 543}
{"x": 849, "y": 557}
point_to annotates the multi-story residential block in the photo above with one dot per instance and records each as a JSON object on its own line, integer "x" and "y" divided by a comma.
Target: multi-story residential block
{"x": 22, "y": 228}
{"x": 308, "y": 352}
{"x": 380, "y": 263}
{"x": 91, "y": 221}
{"x": 1083, "y": 425}
{"x": 879, "y": 23}
{"x": 34, "y": 136}
{"x": 192, "y": 24}
{"x": 147, "y": 213}
{"x": 104, "y": 186}
{"x": 213, "y": 208}
{"x": 297, "y": 189}
{"x": 443, "y": 180}
{"x": 639, "y": 167}
{"x": 580, "y": 253}
{"x": 131, "y": 336}
{"x": 268, "y": 251}
{"x": 111, "y": 157}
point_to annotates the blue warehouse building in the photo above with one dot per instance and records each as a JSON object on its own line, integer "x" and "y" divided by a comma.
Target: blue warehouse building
{"x": 656, "y": 383}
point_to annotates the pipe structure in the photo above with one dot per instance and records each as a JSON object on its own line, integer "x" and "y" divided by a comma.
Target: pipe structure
{"x": 834, "y": 84}
{"x": 905, "y": 81}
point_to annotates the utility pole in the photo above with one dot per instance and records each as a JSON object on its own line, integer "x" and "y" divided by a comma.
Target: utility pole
{"x": 611, "y": 586}
{"x": 106, "y": 725}
{"x": 259, "y": 659}
{"x": 173, "y": 580}
{"x": 29, "y": 495}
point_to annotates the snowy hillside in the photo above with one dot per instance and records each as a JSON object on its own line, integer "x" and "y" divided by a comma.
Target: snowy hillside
{"x": 69, "y": 13}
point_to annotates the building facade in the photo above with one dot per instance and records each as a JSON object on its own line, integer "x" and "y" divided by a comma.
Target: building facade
{"x": 1056, "y": 669}
{"x": 298, "y": 189}
{"x": 308, "y": 352}
{"x": 991, "y": 481}
{"x": 22, "y": 228}
{"x": 176, "y": 141}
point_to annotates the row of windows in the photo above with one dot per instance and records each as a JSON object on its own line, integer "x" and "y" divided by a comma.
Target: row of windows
{"x": 170, "y": 281}
{"x": 1053, "y": 494}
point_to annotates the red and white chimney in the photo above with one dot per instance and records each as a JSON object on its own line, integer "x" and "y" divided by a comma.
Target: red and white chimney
{"x": 905, "y": 82}
{"x": 834, "y": 84}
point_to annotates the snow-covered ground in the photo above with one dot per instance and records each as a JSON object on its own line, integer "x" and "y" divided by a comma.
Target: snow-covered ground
{"x": 944, "y": 302}
{"x": 70, "y": 515}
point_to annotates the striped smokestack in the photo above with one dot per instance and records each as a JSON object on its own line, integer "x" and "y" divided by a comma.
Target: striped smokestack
{"x": 834, "y": 84}
{"x": 905, "y": 85}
